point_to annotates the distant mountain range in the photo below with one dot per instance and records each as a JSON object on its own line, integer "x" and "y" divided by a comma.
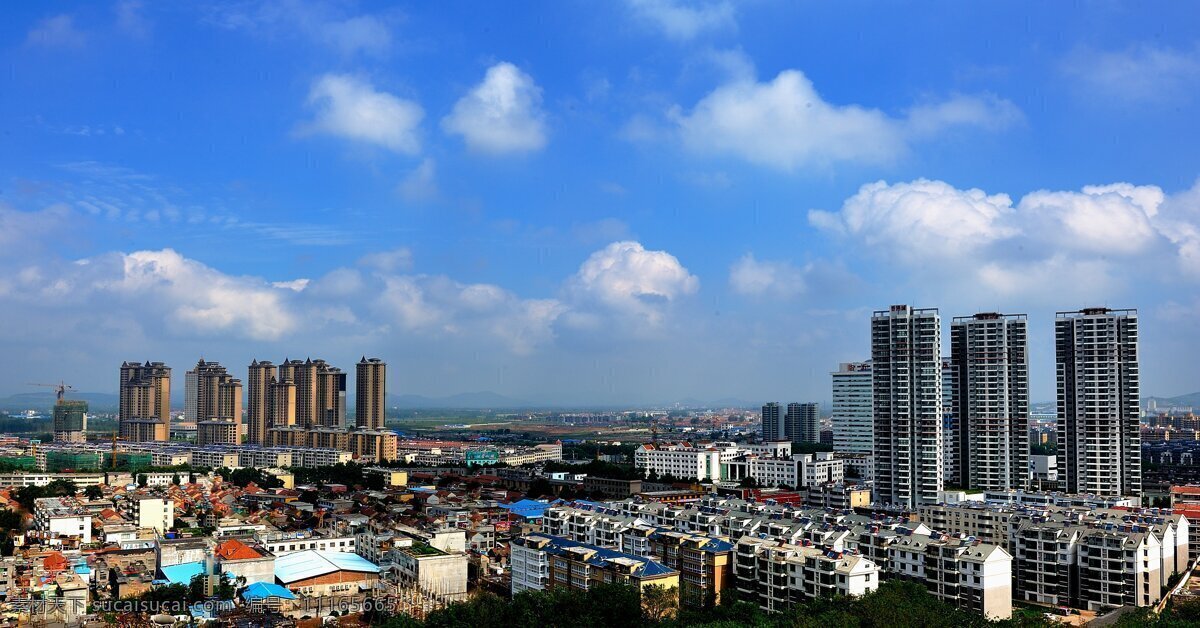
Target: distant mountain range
{"x": 465, "y": 401}
{"x": 1190, "y": 399}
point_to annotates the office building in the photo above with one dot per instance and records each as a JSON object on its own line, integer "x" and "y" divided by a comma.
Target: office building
{"x": 1099, "y": 439}
{"x": 802, "y": 423}
{"x": 70, "y": 421}
{"x": 772, "y": 427}
{"x": 907, "y": 405}
{"x": 852, "y": 414}
{"x": 990, "y": 363}
{"x": 370, "y": 393}
{"x": 145, "y": 401}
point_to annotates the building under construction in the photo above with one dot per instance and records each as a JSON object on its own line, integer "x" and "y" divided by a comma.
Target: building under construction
{"x": 70, "y": 421}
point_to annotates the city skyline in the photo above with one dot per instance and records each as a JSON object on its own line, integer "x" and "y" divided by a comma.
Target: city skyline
{"x": 346, "y": 186}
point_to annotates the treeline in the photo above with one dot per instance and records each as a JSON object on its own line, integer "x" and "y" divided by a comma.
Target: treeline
{"x": 894, "y": 604}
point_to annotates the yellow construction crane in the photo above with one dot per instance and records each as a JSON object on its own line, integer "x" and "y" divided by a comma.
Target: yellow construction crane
{"x": 60, "y": 389}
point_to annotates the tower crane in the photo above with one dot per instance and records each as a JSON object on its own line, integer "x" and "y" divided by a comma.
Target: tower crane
{"x": 60, "y": 389}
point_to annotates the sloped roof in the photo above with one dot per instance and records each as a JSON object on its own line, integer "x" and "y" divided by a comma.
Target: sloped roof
{"x": 234, "y": 549}
{"x": 183, "y": 572}
{"x": 260, "y": 590}
{"x": 312, "y": 563}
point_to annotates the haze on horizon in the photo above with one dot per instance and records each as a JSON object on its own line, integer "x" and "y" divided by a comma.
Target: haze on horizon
{"x": 571, "y": 203}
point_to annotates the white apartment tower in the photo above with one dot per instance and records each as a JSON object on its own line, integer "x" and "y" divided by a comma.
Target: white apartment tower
{"x": 906, "y": 346}
{"x": 990, "y": 365}
{"x": 853, "y": 423}
{"x": 1099, "y": 438}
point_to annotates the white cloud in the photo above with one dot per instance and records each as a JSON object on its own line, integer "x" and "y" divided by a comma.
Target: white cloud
{"x": 785, "y": 124}
{"x": 323, "y": 23}
{"x": 58, "y": 31}
{"x": 752, "y": 277}
{"x": 204, "y": 299}
{"x": 351, "y": 108}
{"x": 683, "y": 21}
{"x": 1080, "y": 245}
{"x": 1141, "y": 74}
{"x": 627, "y": 279}
{"x": 921, "y": 219}
{"x": 986, "y": 112}
{"x": 500, "y": 115}
{"x": 130, "y": 19}
{"x": 1110, "y": 219}
{"x": 388, "y": 261}
{"x": 420, "y": 184}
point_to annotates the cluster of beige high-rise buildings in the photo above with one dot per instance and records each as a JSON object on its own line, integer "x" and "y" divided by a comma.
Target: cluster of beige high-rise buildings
{"x": 295, "y": 403}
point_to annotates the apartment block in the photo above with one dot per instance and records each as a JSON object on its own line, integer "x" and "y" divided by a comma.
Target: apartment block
{"x": 685, "y": 461}
{"x": 907, "y": 405}
{"x": 964, "y": 572}
{"x": 779, "y": 575}
{"x": 1099, "y": 395}
{"x": 540, "y": 562}
{"x": 370, "y": 406}
{"x": 144, "y": 398}
{"x": 990, "y": 363}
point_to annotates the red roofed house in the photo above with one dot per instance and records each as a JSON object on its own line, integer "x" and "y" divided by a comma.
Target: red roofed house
{"x": 237, "y": 558}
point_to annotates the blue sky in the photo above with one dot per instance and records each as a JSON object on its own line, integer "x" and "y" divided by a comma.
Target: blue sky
{"x": 587, "y": 202}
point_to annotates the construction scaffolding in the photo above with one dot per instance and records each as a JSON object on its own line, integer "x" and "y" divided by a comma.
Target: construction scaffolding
{"x": 73, "y": 460}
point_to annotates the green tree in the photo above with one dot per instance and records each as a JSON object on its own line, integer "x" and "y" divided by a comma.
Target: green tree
{"x": 93, "y": 492}
{"x": 659, "y": 603}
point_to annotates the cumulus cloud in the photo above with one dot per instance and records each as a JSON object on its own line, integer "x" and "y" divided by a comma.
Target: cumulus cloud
{"x": 500, "y": 115}
{"x": 627, "y": 279}
{"x": 1083, "y": 243}
{"x": 1141, "y": 74}
{"x": 202, "y": 298}
{"x": 921, "y": 218}
{"x": 351, "y": 108}
{"x": 683, "y": 21}
{"x": 752, "y": 277}
{"x": 784, "y": 123}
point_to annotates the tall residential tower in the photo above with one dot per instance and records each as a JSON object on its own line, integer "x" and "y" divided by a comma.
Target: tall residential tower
{"x": 145, "y": 401}
{"x": 990, "y": 363}
{"x": 370, "y": 393}
{"x": 906, "y": 348}
{"x": 1099, "y": 437}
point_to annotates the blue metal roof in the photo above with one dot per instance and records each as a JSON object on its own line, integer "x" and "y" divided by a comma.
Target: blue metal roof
{"x": 183, "y": 572}
{"x": 312, "y": 563}
{"x": 603, "y": 556}
{"x": 527, "y": 508}
{"x": 260, "y": 590}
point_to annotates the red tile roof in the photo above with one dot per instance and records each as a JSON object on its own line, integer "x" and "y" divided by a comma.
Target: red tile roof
{"x": 234, "y": 549}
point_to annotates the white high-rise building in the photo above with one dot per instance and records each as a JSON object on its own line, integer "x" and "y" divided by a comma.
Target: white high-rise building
{"x": 853, "y": 420}
{"x": 1099, "y": 436}
{"x": 990, "y": 370}
{"x": 906, "y": 347}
